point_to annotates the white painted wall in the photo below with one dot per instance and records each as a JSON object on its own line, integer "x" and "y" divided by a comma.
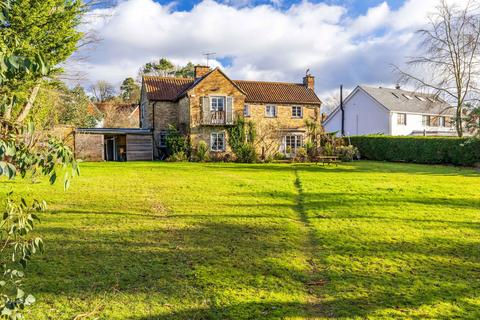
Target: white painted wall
{"x": 363, "y": 115}
{"x": 414, "y": 123}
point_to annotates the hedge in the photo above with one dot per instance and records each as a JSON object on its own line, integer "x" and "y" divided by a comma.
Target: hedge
{"x": 430, "y": 150}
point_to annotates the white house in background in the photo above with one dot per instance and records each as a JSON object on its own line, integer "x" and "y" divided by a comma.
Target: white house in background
{"x": 369, "y": 110}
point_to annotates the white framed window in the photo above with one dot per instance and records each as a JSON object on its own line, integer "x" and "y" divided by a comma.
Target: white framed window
{"x": 293, "y": 142}
{"x": 271, "y": 111}
{"x": 217, "y": 141}
{"x": 217, "y": 103}
{"x": 246, "y": 110}
{"x": 426, "y": 121}
{"x": 442, "y": 122}
{"x": 402, "y": 119}
{"x": 297, "y": 112}
{"x": 162, "y": 139}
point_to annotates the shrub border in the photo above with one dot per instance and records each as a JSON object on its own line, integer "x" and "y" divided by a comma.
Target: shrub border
{"x": 427, "y": 150}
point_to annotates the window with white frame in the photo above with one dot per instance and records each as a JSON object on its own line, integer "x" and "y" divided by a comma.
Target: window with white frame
{"x": 217, "y": 103}
{"x": 162, "y": 139}
{"x": 246, "y": 110}
{"x": 217, "y": 141}
{"x": 426, "y": 121}
{"x": 442, "y": 122}
{"x": 293, "y": 142}
{"x": 402, "y": 119}
{"x": 270, "y": 111}
{"x": 297, "y": 112}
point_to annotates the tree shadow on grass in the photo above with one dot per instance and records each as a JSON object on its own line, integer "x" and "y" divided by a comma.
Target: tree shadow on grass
{"x": 357, "y": 167}
{"x": 211, "y": 260}
{"x": 201, "y": 260}
{"x": 249, "y": 310}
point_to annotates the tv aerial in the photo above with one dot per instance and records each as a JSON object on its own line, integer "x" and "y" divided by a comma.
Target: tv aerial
{"x": 209, "y": 56}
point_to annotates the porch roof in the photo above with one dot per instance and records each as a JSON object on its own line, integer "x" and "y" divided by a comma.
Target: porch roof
{"x": 114, "y": 131}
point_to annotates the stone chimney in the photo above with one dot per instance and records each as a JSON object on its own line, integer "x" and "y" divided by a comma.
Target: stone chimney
{"x": 309, "y": 81}
{"x": 200, "y": 71}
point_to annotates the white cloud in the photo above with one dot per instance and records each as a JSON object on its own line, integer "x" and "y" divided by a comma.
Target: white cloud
{"x": 263, "y": 42}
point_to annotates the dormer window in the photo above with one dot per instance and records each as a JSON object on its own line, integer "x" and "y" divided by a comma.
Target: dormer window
{"x": 407, "y": 96}
{"x": 395, "y": 95}
{"x": 420, "y": 98}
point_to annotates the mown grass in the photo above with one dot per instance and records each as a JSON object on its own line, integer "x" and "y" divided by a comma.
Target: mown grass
{"x": 228, "y": 241}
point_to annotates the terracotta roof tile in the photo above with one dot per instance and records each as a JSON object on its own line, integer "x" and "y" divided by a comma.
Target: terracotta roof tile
{"x": 277, "y": 92}
{"x": 165, "y": 88}
{"x": 170, "y": 89}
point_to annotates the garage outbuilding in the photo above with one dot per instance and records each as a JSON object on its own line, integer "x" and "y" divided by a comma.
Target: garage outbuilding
{"x": 113, "y": 144}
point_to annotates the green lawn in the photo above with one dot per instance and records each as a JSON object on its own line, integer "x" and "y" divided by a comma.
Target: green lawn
{"x": 228, "y": 241}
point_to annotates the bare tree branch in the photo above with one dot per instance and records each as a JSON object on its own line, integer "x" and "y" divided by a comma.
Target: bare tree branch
{"x": 450, "y": 59}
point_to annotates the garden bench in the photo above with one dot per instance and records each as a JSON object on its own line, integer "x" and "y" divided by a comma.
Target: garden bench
{"x": 327, "y": 160}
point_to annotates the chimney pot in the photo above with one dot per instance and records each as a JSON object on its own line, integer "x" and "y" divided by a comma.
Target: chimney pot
{"x": 309, "y": 81}
{"x": 397, "y": 86}
{"x": 200, "y": 71}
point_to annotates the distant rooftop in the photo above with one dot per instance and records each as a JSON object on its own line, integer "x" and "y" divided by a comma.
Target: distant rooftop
{"x": 399, "y": 100}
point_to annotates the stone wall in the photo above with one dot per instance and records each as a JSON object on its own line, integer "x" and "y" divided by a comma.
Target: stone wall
{"x": 216, "y": 84}
{"x": 284, "y": 115}
{"x": 186, "y": 115}
{"x": 89, "y": 147}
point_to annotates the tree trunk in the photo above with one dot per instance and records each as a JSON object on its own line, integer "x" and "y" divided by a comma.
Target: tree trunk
{"x": 29, "y": 104}
{"x": 459, "y": 122}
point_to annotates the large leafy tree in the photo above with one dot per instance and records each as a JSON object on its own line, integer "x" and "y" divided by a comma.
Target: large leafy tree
{"x": 44, "y": 31}
{"x": 22, "y": 152}
{"x": 165, "y": 68}
{"x": 56, "y": 103}
{"x": 130, "y": 91}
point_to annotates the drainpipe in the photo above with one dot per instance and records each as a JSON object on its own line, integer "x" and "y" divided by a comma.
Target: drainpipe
{"x": 343, "y": 110}
{"x": 153, "y": 116}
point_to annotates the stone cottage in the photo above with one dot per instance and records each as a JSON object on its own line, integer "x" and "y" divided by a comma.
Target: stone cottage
{"x": 203, "y": 107}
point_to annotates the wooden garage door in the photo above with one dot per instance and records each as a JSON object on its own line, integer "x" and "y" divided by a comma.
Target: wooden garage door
{"x": 139, "y": 147}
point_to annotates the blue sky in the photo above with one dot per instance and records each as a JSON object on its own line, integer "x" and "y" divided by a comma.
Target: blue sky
{"x": 348, "y": 42}
{"x": 357, "y": 7}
